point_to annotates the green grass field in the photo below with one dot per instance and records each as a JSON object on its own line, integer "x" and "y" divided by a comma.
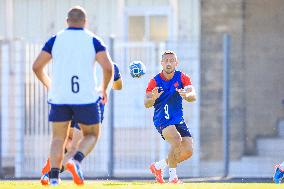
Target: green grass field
{"x": 137, "y": 185}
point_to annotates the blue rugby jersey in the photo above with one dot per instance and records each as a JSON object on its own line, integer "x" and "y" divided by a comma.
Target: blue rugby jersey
{"x": 168, "y": 107}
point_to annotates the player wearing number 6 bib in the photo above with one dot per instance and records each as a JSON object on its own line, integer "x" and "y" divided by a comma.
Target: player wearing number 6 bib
{"x": 75, "y": 134}
{"x": 165, "y": 92}
{"x": 72, "y": 90}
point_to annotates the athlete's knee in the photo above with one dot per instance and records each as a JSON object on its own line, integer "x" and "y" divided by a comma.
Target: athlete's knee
{"x": 176, "y": 141}
{"x": 91, "y": 130}
{"x": 187, "y": 153}
{"x": 92, "y": 138}
{"x": 91, "y": 135}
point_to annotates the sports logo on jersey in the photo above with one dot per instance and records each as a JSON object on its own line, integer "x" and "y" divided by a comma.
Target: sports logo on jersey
{"x": 176, "y": 84}
{"x": 160, "y": 89}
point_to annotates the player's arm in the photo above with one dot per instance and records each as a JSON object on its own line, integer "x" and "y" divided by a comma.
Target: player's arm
{"x": 117, "y": 83}
{"x": 188, "y": 92}
{"x": 38, "y": 67}
{"x": 105, "y": 62}
{"x": 149, "y": 100}
{"x": 152, "y": 93}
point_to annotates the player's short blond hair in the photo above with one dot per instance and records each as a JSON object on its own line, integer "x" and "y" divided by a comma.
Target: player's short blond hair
{"x": 169, "y": 52}
{"x": 76, "y": 14}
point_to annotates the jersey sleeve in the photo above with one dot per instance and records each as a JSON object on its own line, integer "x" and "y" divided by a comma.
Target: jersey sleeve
{"x": 49, "y": 45}
{"x": 151, "y": 85}
{"x": 185, "y": 79}
{"x": 117, "y": 75}
{"x": 98, "y": 44}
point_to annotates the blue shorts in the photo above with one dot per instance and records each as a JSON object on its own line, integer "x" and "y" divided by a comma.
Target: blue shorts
{"x": 181, "y": 128}
{"x": 85, "y": 114}
{"x": 75, "y": 124}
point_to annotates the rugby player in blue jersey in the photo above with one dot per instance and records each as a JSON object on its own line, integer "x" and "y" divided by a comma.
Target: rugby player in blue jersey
{"x": 279, "y": 173}
{"x": 165, "y": 92}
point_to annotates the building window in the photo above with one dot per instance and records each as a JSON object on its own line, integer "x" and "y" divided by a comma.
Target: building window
{"x": 158, "y": 28}
{"x": 136, "y": 28}
{"x": 148, "y": 28}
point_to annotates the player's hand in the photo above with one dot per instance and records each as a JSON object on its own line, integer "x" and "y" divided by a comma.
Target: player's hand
{"x": 104, "y": 97}
{"x": 156, "y": 94}
{"x": 184, "y": 93}
{"x": 187, "y": 94}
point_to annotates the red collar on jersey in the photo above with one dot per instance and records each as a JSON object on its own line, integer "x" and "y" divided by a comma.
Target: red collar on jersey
{"x": 163, "y": 77}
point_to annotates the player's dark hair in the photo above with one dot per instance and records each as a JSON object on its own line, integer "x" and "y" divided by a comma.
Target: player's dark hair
{"x": 168, "y": 52}
{"x": 76, "y": 14}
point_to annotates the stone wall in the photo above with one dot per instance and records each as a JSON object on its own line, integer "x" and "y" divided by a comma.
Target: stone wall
{"x": 264, "y": 68}
{"x": 256, "y": 76}
{"x": 219, "y": 17}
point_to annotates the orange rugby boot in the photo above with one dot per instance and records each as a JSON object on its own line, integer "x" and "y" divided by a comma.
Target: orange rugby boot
{"x": 46, "y": 167}
{"x": 44, "y": 180}
{"x": 75, "y": 169}
{"x": 158, "y": 173}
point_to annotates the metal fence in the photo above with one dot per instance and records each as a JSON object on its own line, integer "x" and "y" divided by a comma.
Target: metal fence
{"x": 135, "y": 142}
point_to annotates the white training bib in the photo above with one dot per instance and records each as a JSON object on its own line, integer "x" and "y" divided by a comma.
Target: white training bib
{"x": 73, "y": 76}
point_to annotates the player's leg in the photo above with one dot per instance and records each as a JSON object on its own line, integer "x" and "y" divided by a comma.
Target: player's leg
{"x": 157, "y": 168}
{"x": 279, "y": 173}
{"x": 68, "y": 147}
{"x": 70, "y": 137}
{"x": 44, "y": 178}
{"x": 73, "y": 139}
{"x": 89, "y": 119}
{"x": 59, "y": 136}
{"x": 60, "y": 117}
{"x": 186, "y": 153}
{"x": 186, "y": 143}
{"x": 172, "y": 136}
{"x": 72, "y": 146}
{"x": 186, "y": 149}
{"x": 91, "y": 134}
{"x": 86, "y": 144}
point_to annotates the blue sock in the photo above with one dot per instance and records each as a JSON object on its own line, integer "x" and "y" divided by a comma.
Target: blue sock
{"x": 79, "y": 156}
{"x": 53, "y": 173}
